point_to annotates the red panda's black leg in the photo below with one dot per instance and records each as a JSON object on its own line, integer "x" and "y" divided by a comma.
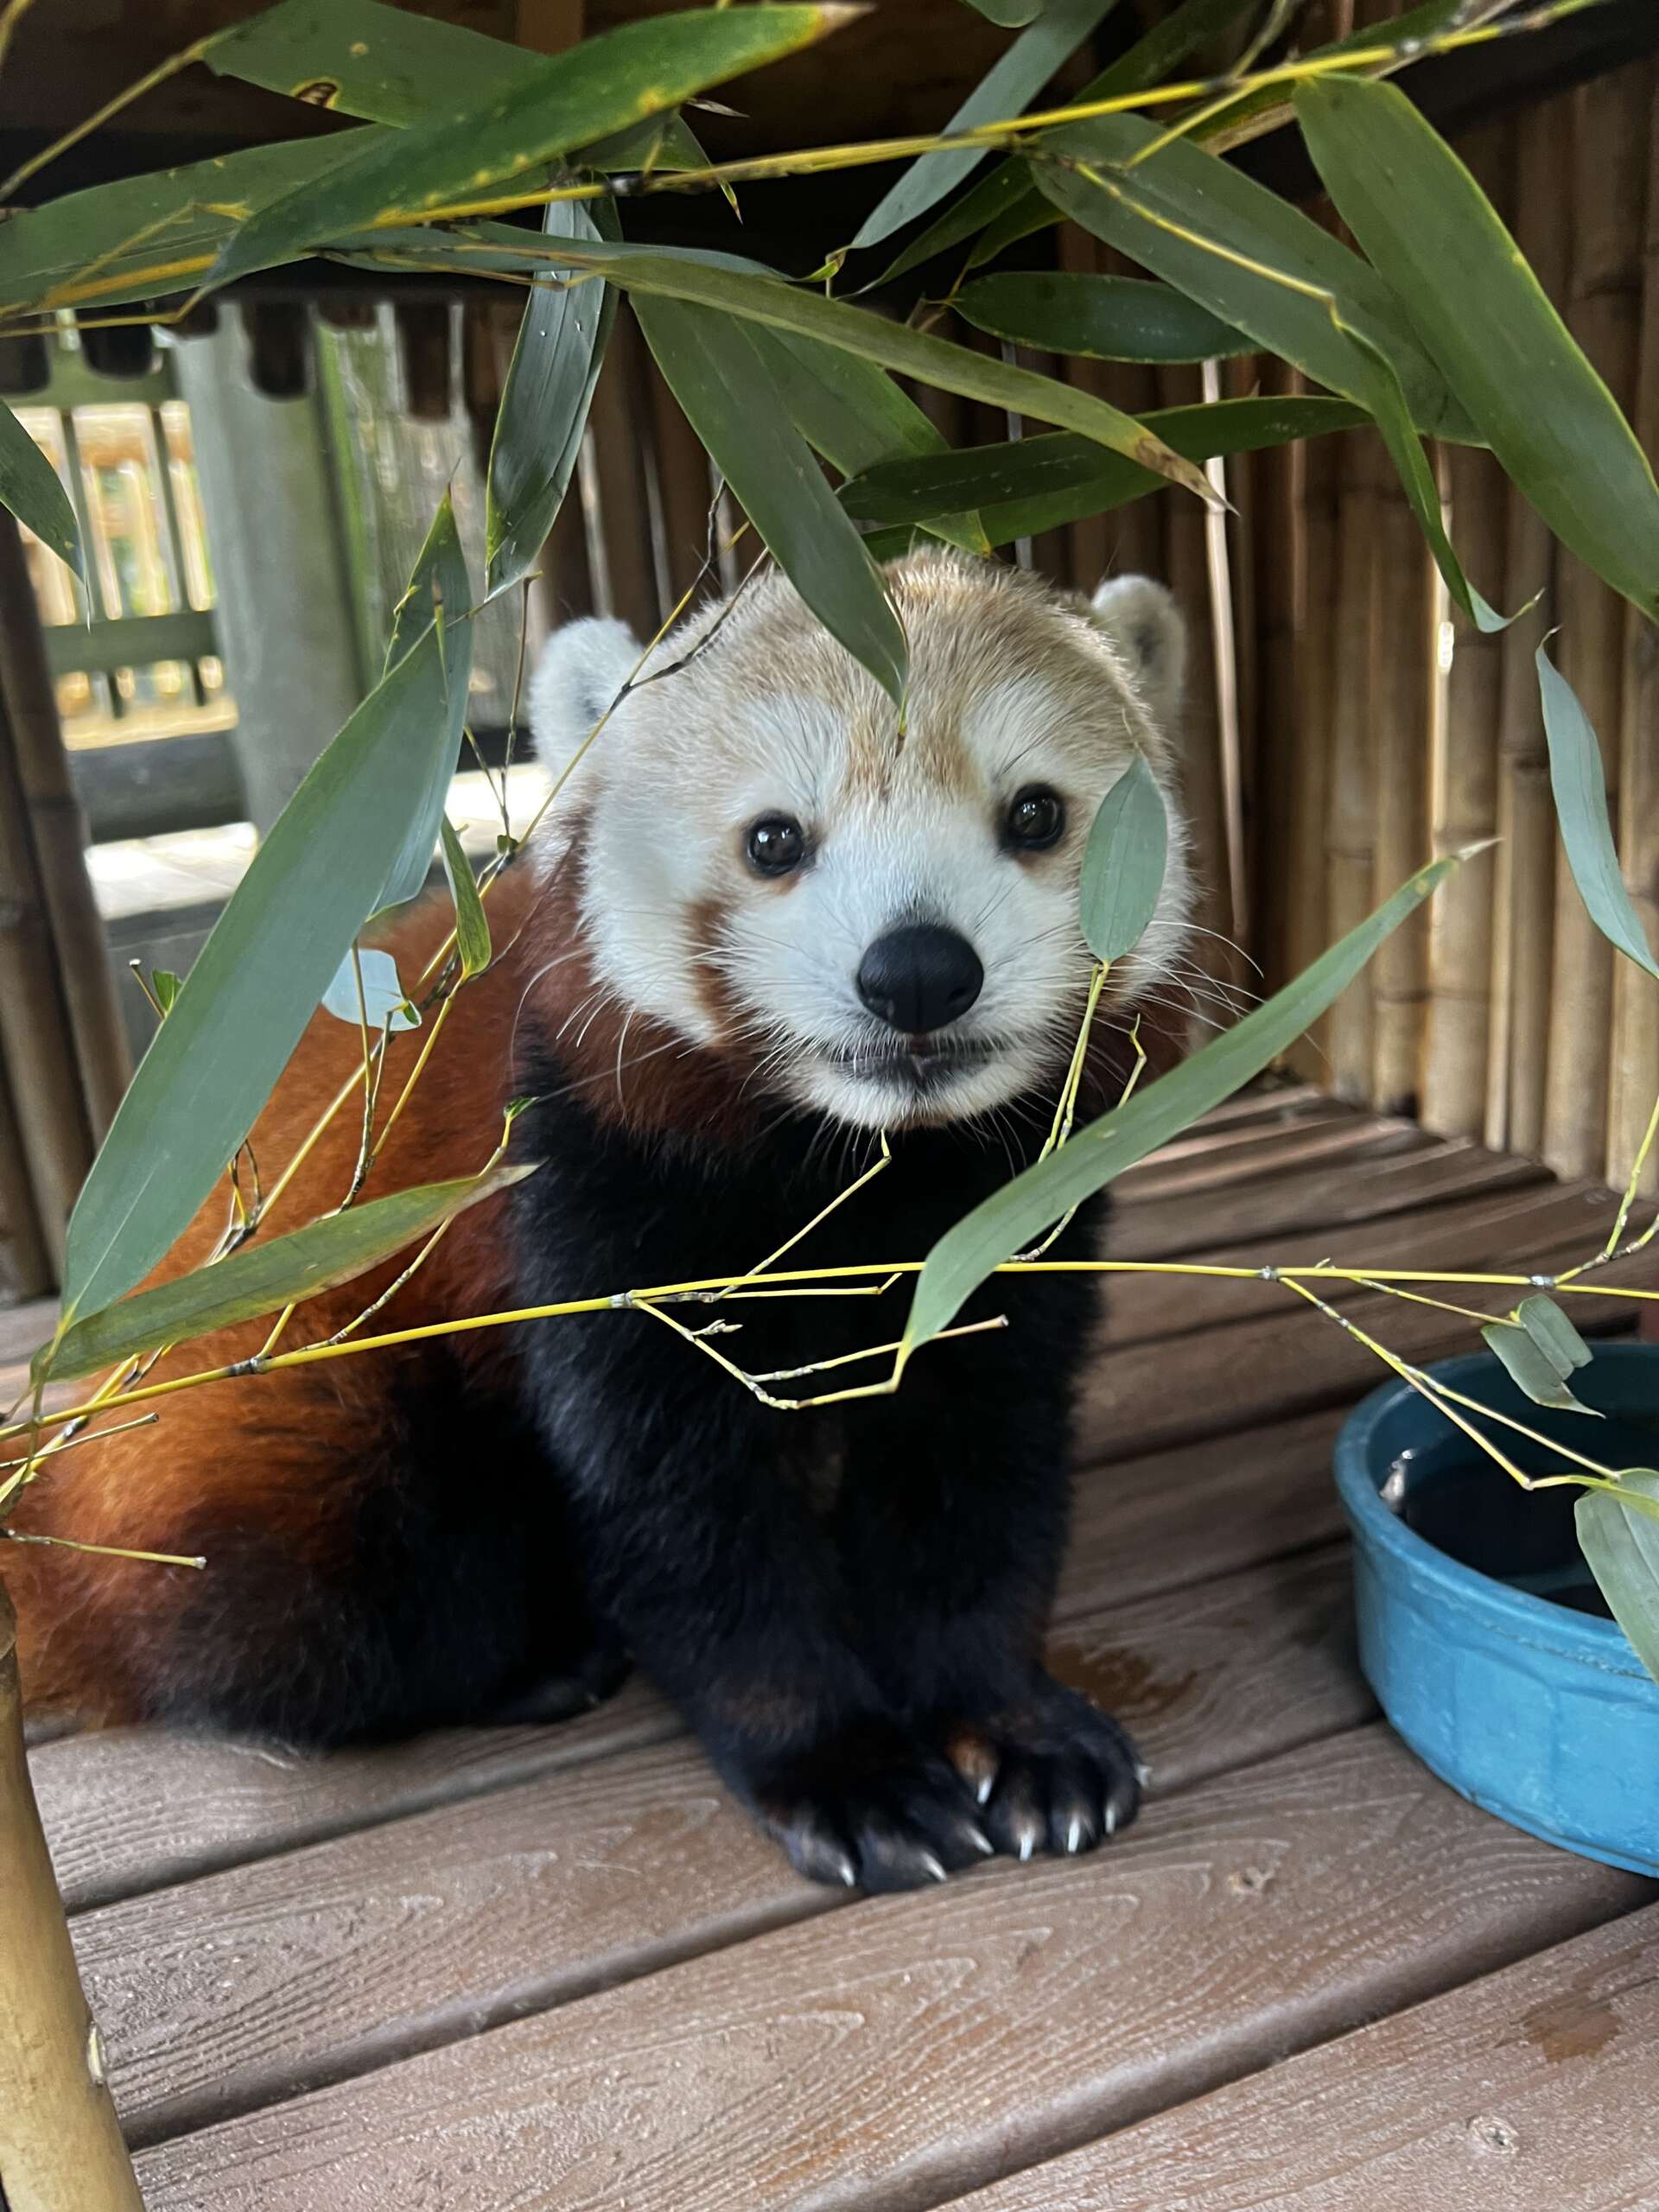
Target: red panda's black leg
{"x": 954, "y": 1522}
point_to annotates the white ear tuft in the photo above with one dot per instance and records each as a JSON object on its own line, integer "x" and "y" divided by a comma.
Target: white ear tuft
{"x": 1145, "y": 625}
{"x": 582, "y": 668}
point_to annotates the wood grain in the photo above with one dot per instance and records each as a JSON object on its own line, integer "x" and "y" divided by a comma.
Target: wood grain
{"x": 906, "y": 2048}
{"x": 1224, "y": 1163}
{"x": 1530, "y": 2087}
{"x": 227, "y": 1993}
{"x": 1363, "y": 1190}
{"x": 1473, "y": 1233}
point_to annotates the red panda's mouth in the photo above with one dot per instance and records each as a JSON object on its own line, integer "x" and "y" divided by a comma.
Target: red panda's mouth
{"x": 916, "y": 1062}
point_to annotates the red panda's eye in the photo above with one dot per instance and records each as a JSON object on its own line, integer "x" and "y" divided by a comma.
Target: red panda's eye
{"x": 775, "y": 844}
{"x": 1036, "y": 819}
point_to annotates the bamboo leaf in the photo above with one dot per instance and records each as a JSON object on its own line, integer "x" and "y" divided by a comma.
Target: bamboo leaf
{"x": 855, "y": 415}
{"x": 34, "y": 491}
{"x": 545, "y": 404}
{"x": 382, "y": 1003}
{"x": 1250, "y": 257}
{"x": 1530, "y": 1370}
{"x": 551, "y": 106}
{"x": 165, "y": 984}
{"x": 1621, "y": 1544}
{"x": 1123, "y": 864}
{"x": 1007, "y": 205}
{"x": 1553, "y": 1334}
{"x": 268, "y": 1274}
{"x": 361, "y": 57}
{"x": 439, "y": 592}
{"x": 1578, "y": 781}
{"x": 1011, "y": 1218}
{"x": 149, "y": 237}
{"x": 1375, "y": 383}
{"x": 1027, "y": 484}
{"x": 720, "y": 379}
{"x": 1010, "y": 14}
{"x": 1435, "y": 237}
{"x": 1006, "y": 90}
{"x": 258, "y": 981}
{"x": 472, "y": 924}
{"x": 1102, "y": 318}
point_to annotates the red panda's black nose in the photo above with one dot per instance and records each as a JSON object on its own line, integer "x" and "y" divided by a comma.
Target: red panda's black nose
{"x": 918, "y": 977}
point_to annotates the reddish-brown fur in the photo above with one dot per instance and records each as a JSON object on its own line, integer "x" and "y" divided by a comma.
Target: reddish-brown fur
{"x": 277, "y": 1452}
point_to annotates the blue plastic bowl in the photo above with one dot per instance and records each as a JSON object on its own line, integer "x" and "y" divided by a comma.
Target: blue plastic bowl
{"x": 1541, "y": 1715}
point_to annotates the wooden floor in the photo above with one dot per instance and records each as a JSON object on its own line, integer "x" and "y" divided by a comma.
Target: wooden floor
{"x": 491, "y": 1972}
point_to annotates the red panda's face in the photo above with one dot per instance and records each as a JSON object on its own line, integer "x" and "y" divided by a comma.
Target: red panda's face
{"x": 884, "y": 927}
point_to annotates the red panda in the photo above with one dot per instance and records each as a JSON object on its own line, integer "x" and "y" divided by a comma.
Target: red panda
{"x": 766, "y": 926}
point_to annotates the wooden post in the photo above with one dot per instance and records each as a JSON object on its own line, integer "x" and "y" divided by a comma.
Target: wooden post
{"x": 1317, "y": 482}
{"x": 30, "y": 712}
{"x": 1524, "y": 859}
{"x": 1635, "y": 1069}
{"x": 1610, "y": 182}
{"x": 60, "y": 2144}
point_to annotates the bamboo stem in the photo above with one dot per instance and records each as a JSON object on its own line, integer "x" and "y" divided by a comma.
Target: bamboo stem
{"x": 1403, "y": 681}
{"x": 1610, "y": 182}
{"x": 1524, "y": 859}
{"x": 60, "y": 2145}
{"x": 1350, "y": 819}
{"x": 57, "y": 833}
{"x": 1634, "y": 1074}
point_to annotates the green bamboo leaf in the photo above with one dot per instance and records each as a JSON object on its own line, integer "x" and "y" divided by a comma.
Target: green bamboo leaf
{"x": 1250, "y": 257}
{"x": 1376, "y": 384}
{"x": 1102, "y": 318}
{"x": 165, "y": 984}
{"x": 1025, "y": 485}
{"x": 386, "y": 65}
{"x": 33, "y": 490}
{"x": 1123, "y": 864}
{"x": 472, "y": 925}
{"x": 1578, "y": 781}
{"x": 439, "y": 592}
{"x": 722, "y": 381}
{"x": 268, "y": 1274}
{"x": 381, "y": 1000}
{"x": 211, "y": 1065}
{"x": 1530, "y": 1370}
{"x": 1269, "y": 105}
{"x": 149, "y": 237}
{"x": 549, "y": 108}
{"x": 1434, "y": 236}
{"x": 1621, "y": 1543}
{"x": 1007, "y": 205}
{"x": 361, "y": 57}
{"x": 1012, "y": 15}
{"x": 1011, "y": 1218}
{"x": 855, "y": 415}
{"x": 545, "y": 404}
{"x": 1553, "y": 1334}
{"x": 1006, "y": 90}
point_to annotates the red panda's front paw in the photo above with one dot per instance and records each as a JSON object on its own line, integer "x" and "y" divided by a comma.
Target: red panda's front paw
{"x": 1053, "y": 1773}
{"x": 871, "y": 1812}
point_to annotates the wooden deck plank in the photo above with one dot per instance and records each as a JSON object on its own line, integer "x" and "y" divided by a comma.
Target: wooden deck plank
{"x": 1225, "y": 1158}
{"x": 135, "y": 1809}
{"x": 1170, "y": 1518}
{"x": 1365, "y": 1190}
{"x": 1462, "y": 1233}
{"x": 226, "y": 1992}
{"x": 1531, "y": 2089}
{"x": 908, "y": 2048}
{"x": 1289, "y": 1362}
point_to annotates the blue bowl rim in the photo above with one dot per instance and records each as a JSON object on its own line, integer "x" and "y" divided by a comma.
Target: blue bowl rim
{"x": 1515, "y": 1614}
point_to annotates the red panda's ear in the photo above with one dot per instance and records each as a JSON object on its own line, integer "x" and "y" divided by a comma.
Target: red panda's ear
{"x": 583, "y": 668}
{"x": 1149, "y": 636}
